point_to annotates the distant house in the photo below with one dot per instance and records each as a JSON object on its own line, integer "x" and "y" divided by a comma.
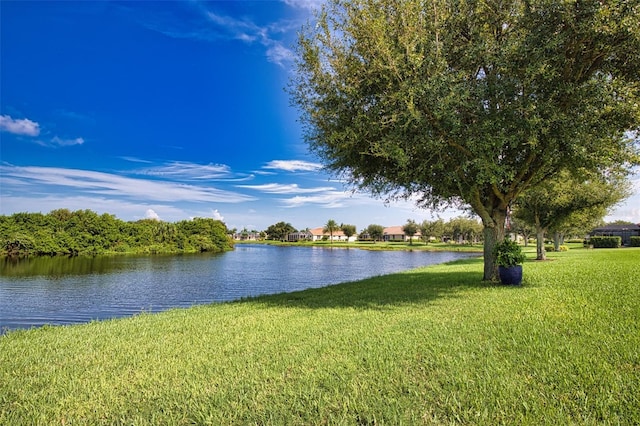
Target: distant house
{"x": 364, "y": 235}
{"x": 246, "y": 236}
{"x": 318, "y": 234}
{"x": 625, "y": 232}
{"x": 395, "y": 233}
{"x": 299, "y": 236}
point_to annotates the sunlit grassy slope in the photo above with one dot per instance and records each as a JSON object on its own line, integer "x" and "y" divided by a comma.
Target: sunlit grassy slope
{"x": 429, "y": 346}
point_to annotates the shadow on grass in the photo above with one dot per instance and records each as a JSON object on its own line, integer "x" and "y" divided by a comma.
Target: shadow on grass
{"x": 384, "y": 291}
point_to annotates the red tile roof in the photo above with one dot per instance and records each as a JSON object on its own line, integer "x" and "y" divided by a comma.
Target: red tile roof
{"x": 320, "y": 232}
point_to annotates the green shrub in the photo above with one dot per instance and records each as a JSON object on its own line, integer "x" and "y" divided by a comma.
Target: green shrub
{"x": 635, "y": 241}
{"x": 508, "y": 253}
{"x": 605, "y": 242}
{"x": 553, "y": 248}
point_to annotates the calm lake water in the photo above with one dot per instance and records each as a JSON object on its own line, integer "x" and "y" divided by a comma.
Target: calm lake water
{"x": 58, "y": 290}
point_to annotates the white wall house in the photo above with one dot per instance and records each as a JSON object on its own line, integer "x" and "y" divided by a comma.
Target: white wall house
{"x": 319, "y": 234}
{"x": 395, "y": 233}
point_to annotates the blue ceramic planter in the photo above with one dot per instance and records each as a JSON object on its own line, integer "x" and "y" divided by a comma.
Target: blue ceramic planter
{"x": 510, "y": 275}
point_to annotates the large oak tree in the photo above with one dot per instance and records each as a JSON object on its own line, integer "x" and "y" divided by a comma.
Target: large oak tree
{"x": 469, "y": 102}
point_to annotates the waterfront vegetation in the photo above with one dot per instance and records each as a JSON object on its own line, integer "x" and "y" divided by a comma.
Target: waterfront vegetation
{"x": 84, "y": 232}
{"x": 376, "y": 245}
{"x": 429, "y": 346}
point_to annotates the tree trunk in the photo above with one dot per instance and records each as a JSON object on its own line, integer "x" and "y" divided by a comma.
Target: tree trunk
{"x": 541, "y": 253}
{"x": 493, "y": 232}
{"x": 557, "y": 237}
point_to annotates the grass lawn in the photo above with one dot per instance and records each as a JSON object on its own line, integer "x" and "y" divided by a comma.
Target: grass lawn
{"x": 429, "y": 346}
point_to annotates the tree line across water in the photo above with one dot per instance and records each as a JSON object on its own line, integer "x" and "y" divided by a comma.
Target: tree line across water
{"x": 458, "y": 229}
{"x": 84, "y": 232}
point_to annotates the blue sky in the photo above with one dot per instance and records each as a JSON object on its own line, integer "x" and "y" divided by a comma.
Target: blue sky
{"x": 168, "y": 110}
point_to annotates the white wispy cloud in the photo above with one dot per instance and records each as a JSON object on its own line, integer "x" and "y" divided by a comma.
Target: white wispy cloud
{"x": 279, "y": 54}
{"x": 293, "y": 165}
{"x": 26, "y": 127}
{"x": 66, "y": 142}
{"x": 200, "y": 21}
{"x": 130, "y": 209}
{"x": 309, "y": 5}
{"x": 329, "y": 200}
{"x": 135, "y": 160}
{"x": 334, "y": 199}
{"x": 244, "y": 30}
{"x": 21, "y": 126}
{"x": 278, "y": 188}
{"x": 187, "y": 171}
{"x": 57, "y": 142}
{"x": 264, "y": 173}
{"x": 250, "y": 32}
{"x": 44, "y": 180}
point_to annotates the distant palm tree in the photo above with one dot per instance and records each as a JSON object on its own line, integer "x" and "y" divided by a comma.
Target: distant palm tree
{"x": 330, "y": 227}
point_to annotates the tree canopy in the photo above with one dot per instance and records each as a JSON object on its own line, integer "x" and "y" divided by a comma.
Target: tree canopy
{"x": 348, "y": 230}
{"x": 464, "y": 229}
{"x": 467, "y": 102}
{"x": 554, "y": 202}
{"x": 375, "y": 232}
{"x": 84, "y": 232}
{"x": 279, "y": 231}
{"x": 410, "y": 229}
{"x": 435, "y": 228}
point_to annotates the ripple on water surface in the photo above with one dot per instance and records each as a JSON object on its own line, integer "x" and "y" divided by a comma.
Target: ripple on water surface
{"x": 60, "y": 290}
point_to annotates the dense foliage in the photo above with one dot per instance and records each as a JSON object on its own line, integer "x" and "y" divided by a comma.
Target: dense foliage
{"x": 508, "y": 253}
{"x": 449, "y": 101}
{"x": 566, "y": 200}
{"x": 84, "y": 232}
{"x": 605, "y": 242}
{"x": 410, "y": 229}
{"x": 462, "y": 229}
{"x": 278, "y": 231}
{"x": 374, "y": 232}
{"x": 348, "y": 230}
{"x": 458, "y": 229}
